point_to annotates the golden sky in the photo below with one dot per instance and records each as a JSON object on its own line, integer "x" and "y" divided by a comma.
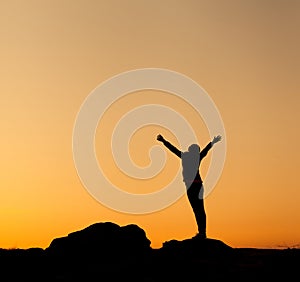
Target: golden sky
{"x": 245, "y": 54}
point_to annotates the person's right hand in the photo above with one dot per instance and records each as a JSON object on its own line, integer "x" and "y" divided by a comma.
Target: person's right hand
{"x": 160, "y": 138}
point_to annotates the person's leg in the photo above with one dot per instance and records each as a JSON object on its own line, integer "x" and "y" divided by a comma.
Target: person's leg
{"x": 197, "y": 205}
{"x": 200, "y": 215}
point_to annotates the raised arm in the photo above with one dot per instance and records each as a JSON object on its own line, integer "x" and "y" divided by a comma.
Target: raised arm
{"x": 171, "y": 147}
{"x": 204, "y": 152}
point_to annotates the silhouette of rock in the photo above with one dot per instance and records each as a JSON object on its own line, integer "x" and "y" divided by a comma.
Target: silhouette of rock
{"x": 200, "y": 248}
{"x": 193, "y": 260}
{"x": 103, "y": 241}
{"x": 107, "y": 252}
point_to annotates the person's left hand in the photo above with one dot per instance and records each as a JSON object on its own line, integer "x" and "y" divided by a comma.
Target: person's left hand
{"x": 217, "y": 139}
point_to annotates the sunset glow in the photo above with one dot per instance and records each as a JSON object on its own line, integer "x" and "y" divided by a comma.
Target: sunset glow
{"x": 245, "y": 54}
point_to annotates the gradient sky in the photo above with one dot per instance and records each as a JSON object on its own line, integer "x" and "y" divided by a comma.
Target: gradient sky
{"x": 245, "y": 54}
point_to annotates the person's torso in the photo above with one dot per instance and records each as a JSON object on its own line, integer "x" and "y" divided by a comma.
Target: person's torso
{"x": 190, "y": 167}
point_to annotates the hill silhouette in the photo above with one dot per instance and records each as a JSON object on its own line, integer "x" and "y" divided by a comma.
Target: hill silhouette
{"x": 106, "y": 251}
{"x": 105, "y": 241}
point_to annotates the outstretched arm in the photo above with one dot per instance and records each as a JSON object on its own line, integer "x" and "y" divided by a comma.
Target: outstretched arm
{"x": 171, "y": 147}
{"x": 204, "y": 152}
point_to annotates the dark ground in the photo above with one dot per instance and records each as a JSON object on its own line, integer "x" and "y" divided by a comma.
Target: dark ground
{"x": 108, "y": 252}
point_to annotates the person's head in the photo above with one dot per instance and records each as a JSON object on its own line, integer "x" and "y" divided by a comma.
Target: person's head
{"x": 194, "y": 149}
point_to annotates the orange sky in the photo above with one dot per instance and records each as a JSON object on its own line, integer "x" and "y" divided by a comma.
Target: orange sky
{"x": 245, "y": 54}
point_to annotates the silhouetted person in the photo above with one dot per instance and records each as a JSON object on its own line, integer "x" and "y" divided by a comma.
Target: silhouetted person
{"x": 191, "y": 177}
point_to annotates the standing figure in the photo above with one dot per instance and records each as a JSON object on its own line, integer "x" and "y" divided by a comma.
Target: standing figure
{"x": 191, "y": 177}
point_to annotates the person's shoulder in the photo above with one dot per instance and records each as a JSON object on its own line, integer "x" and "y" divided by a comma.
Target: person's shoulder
{"x": 185, "y": 154}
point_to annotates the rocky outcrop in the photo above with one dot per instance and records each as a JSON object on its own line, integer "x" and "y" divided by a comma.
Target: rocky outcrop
{"x": 102, "y": 241}
{"x": 108, "y": 252}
